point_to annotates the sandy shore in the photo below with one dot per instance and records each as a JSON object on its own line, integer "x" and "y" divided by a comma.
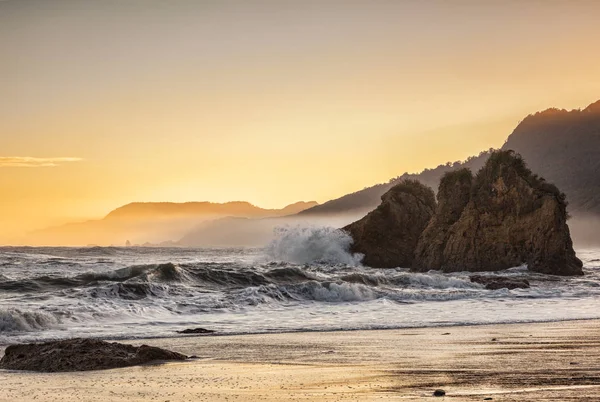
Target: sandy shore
{"x": 515, "y": 362}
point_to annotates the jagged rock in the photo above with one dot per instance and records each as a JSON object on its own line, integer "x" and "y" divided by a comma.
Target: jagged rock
{"x": 503, "y": 217}
{"x": 388, "y": 235}
{"x": 453, "y": 195}
{"x": 500, "y": 282}
{"x": 81, "y": 355}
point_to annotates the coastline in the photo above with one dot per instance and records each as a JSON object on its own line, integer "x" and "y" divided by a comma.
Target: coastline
{"x": 548, "y": 361}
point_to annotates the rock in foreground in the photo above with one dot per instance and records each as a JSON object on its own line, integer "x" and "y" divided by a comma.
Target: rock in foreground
{"x": 388, "y": 235}
{"x": 81, "y": 355}
{"x": 503, "y": 217}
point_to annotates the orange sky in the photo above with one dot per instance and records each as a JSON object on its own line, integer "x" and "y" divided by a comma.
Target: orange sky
{"x": 266, "y": 101}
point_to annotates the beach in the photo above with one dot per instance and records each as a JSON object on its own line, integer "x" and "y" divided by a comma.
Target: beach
{"x": 557, "y": 361}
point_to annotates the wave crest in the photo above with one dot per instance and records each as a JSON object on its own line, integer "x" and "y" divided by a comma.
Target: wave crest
{"x": 312, "y": 244}
{"x": 15, "y": 320}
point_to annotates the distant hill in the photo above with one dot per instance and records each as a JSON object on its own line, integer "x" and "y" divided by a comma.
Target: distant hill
{"x": 367, "y": 199}
{"x": 561, "y": 146}
{"x": 154, "y": 210}
{"x": 564, "y": 147}
{"x": 153, "y": 222}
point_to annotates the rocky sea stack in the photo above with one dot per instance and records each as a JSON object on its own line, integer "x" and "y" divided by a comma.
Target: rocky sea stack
{"x": 500, "y": 218}
{"x": 503, "y": 217}
{"x": 388, "y": 235}
{"x": 81, "y": 355}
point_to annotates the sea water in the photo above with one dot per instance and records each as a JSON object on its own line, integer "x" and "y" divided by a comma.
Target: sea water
{"x": 305, "y": 280}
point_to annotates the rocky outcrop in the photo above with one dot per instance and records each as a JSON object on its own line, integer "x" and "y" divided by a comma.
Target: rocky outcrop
{"x": 453, "y": 195}
{"x": 388, "y": 235}
{"x": 503, "y": 217}
{"x": 81, "y": 355}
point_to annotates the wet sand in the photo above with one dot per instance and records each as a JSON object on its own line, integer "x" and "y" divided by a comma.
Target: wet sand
{"x": 513, "y": 362}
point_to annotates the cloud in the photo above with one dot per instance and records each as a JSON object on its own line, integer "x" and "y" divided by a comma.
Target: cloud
{"x": 28, "y": 161}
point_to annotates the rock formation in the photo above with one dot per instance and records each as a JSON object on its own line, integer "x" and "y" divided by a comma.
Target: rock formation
{"x": 81, "y": 355}
{"x": 453, "y": 195}
{"x": 388, "y": 235}
{"x": 503, "y": 217}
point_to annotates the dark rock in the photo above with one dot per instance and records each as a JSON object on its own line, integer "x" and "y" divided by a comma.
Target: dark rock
{"x": 81, "y": 355}
{"x": 503, "y": 217}
{"x": 453, "y": 195}
{"x": 500, "y": 282}
{"x": 196, "y": 331}
{"x": 439, "y": 392}
{"x": 388, "y": 235}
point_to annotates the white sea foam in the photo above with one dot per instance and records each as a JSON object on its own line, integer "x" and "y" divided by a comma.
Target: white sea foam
{"x": 312, "y": 244}
{"x": 308, "y": 281}
{"x": 342, "y": 292}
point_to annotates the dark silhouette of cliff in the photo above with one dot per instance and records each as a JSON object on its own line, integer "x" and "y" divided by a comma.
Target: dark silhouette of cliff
{"x": 562, "y": 146}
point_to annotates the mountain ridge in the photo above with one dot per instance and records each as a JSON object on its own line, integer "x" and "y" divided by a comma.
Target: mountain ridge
{"x": 143, "y": 209}
{"x": 548, "y": 140}
{"x": 155, "y": 222}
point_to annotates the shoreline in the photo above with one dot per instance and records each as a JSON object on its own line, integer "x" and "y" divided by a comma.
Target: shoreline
{"x": 302, "y": 331}
{"x": 548, "y": 361}
{"x": 308, "y": 331}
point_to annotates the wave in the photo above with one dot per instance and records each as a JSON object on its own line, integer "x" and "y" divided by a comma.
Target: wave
{"x": 14, "y": 320}
{"x": 312, "y": 244}
{"x": 433, "y": 281}
{"x": 158, "y": 272}
{"x": 97, "y": 250}
{"x": 289, "y": 274}
{"x": 40, "y": 283}
{"x": 329, "y": 292}
{"x": 129, "y": 291}
{"x": 319, "y": 282}
{"x": 353, "y": 291}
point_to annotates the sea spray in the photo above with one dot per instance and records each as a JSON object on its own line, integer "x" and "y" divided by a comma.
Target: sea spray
{"x": 312, "y": 244}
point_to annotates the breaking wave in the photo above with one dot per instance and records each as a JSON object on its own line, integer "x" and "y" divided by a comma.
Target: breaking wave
{"x": 12, "y": 320}
{"x": 312, "y": 244}
{"x": 306, "y": 279}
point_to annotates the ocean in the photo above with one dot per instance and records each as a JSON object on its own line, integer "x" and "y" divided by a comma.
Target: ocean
{"x": 305, "y": 280}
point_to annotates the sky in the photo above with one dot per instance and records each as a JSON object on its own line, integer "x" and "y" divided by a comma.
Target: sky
{"x": 112, "y": 101}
